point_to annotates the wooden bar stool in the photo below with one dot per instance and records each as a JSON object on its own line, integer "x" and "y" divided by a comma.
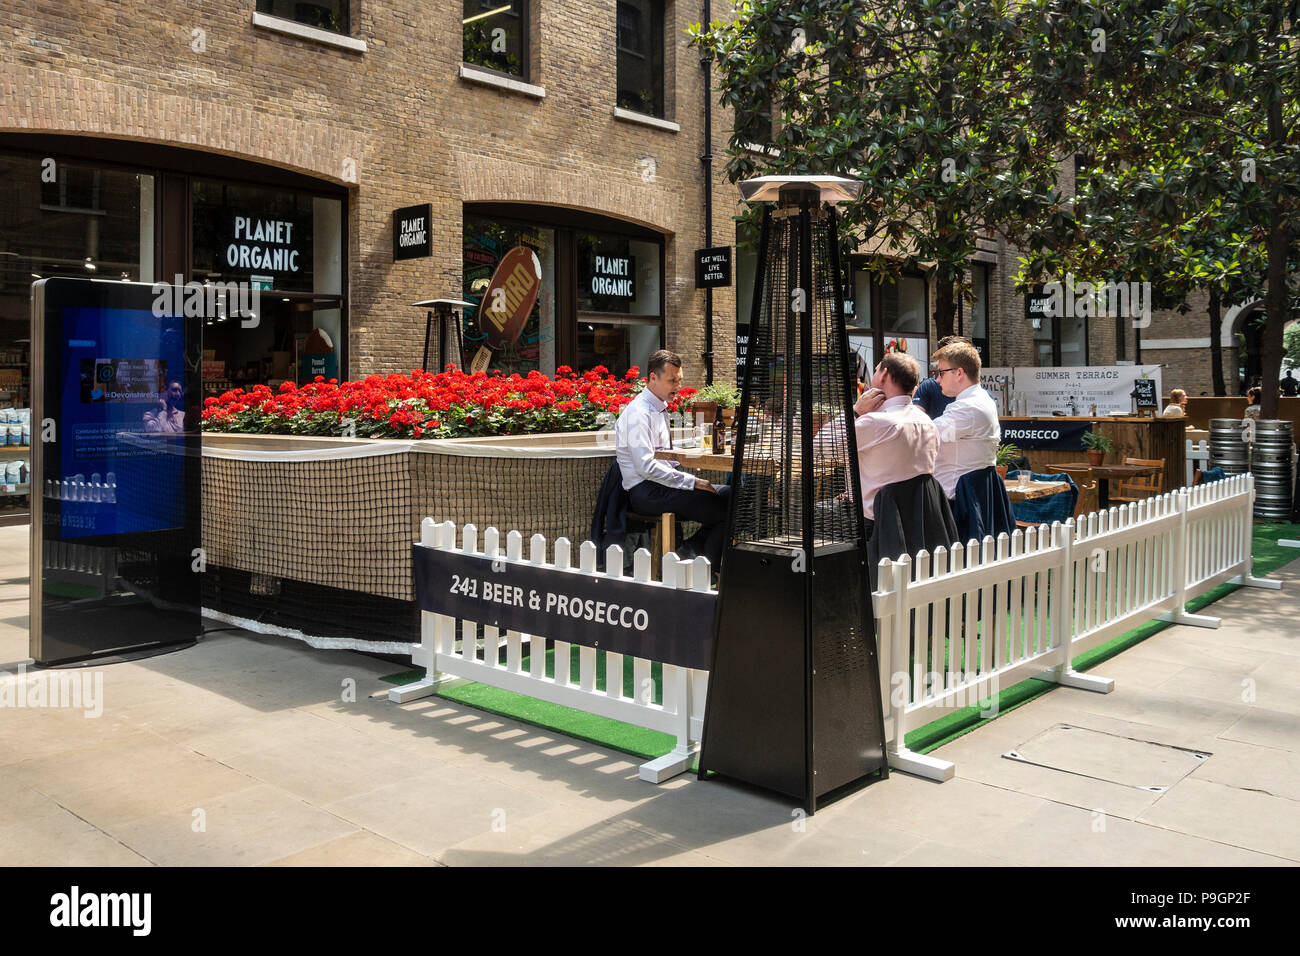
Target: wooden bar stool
{"x": 663, "y": 536}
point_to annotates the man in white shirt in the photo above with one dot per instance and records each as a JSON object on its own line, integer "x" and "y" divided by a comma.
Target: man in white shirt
{"x": 896, "y": 439}
{"x": 969, "y": 432}
{"x": 655, "y": 486}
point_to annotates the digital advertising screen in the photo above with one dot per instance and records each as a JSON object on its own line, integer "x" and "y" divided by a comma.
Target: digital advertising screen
{"x": 118, "y": 468}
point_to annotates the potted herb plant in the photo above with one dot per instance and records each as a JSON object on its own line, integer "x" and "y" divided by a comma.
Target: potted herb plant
{"x": 1098, "y": 446}
{"x": 720, "y": 398}
{"x": 1006, "y": 455}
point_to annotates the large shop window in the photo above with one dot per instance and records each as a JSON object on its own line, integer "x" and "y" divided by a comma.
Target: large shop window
{"x": 63, "y": 219}
{"x": 57, "y": 218}
{"x": 619, "y": 300}
{"x": 329, "y": 15}
{"x": 598, "y": 298}
{"x": 640, "y": 50}
{"x": 496, "y": 35}
{"x": 288, "y": 246}
{"x": 523, "y": 342}
{"x": 887, "y": 316}
{"x": 1062, "y": 340}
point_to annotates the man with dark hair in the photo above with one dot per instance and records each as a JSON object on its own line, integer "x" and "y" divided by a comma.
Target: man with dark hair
{"x": 930, "y": 395}
{"x": 655, "y": 486}
{"x": 896, "y": 439}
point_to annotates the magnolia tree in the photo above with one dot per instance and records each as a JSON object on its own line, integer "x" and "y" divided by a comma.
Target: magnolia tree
{"x": 958, "y": 115}
{"x": 1186, "y": 116}
{"x": 928, "y": 102}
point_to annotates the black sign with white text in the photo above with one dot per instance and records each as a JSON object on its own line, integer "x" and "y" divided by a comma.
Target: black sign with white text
{"x": 713, "y": 267}
{"x": 1045, "y": 435}
{"x": 674, "y": 626}
{"x": 1038, "y": 305}
{"x": 1145, "y": 391}
{"x": 411, "y": 238}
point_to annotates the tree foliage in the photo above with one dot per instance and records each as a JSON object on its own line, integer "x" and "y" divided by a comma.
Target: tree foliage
{"x": 923, "y": 100}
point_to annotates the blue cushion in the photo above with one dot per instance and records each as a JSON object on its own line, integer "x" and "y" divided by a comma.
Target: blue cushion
{"x": 1057, "y": 507}
{"x": 1209, "y": 475}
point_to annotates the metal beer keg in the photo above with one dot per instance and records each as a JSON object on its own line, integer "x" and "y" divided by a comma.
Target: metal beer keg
{"x": 1227, "y": 450}
{"x": 1271, "y": 465}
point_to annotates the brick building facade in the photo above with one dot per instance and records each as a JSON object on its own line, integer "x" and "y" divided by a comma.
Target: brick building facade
{"x": 379, "y": 112}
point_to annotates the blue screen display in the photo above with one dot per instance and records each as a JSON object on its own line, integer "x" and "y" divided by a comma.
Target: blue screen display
{"x": 120, "y": 434}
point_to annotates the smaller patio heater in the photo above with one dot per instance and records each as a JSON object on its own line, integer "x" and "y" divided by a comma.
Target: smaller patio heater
{"x": 450, "y": 346}
{"x": 794, "y": 700}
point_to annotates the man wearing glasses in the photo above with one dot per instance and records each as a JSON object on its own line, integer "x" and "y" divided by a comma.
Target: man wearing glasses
{"x": 969, "y": 432}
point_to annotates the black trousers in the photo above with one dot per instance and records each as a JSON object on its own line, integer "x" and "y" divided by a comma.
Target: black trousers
{"x": 709, "y": 509}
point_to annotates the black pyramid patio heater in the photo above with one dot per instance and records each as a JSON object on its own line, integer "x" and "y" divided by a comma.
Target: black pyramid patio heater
{"x": 794, "y": 702}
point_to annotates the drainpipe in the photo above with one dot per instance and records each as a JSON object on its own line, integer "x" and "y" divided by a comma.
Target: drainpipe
{"x": 706, "y": 159}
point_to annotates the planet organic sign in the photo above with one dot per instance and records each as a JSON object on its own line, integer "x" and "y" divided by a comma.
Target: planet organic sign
{"x": 266, "y": 244}
{"x": 411, "y": 239}
{"x": 509, "y": 298}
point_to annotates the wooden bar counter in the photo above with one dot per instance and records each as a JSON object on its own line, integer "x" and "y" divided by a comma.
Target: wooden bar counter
{"x": 1133, "y": 437}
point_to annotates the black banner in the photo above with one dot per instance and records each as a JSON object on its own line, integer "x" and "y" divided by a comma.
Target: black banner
{"x": 1045, "y": 434}
{"x": 671, "y": 625}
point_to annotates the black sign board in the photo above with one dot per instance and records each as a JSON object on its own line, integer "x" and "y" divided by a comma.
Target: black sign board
{"x": 1045, "y": 435}
{"x": 1144, "y": 389}
{"x": 671, "y": 625}
{"x": 116, "y": 523}
{"x": 1038, "y": 305}
{"x": 411, "y": 239}
{"x": 713, "y": 267}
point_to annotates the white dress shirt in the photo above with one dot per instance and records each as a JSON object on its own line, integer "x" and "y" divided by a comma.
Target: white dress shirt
{"x": 969, "y": 435}
{"x": 641, "y": 430}
{"x": 895, "y": 442}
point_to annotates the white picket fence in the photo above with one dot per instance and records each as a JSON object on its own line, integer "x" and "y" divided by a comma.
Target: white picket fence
{"x": 953, "y": 628}
{"x": 957, "y": 626}
{"x": 683, "y": 690}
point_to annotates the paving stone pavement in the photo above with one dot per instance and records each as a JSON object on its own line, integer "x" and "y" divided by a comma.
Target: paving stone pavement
{"x": 241, "y": 750}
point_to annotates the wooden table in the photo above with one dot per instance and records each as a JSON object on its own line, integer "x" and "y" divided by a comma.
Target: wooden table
{"x": 694, "y": 459}
{"x": 1036, "y": 489}
{"x": 1103, "y": 474}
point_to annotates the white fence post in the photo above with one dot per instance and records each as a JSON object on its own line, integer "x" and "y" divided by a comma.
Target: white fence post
{"x": 900, "y": 758}
{"x": 1180, "y": 568}
{"x": 435, "y": 629}
{"x": 1246, "y": 578}
{"x": 677, "y": 680}
{"x": 1063, "y": 617}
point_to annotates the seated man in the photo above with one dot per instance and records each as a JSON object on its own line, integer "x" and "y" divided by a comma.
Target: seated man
{"x": 969, "y": 432}
{"x": 896, "y": 439}
{"x": 654, "y": 486}
{"x": 1177, "y": 407}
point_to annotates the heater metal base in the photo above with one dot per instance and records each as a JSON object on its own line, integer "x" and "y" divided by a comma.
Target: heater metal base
{"x": 794, "y": 692}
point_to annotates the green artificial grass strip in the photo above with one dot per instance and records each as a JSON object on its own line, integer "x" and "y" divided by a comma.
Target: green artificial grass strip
{"x": 1268, "y": 558}
{"x": 615, "y": 734}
